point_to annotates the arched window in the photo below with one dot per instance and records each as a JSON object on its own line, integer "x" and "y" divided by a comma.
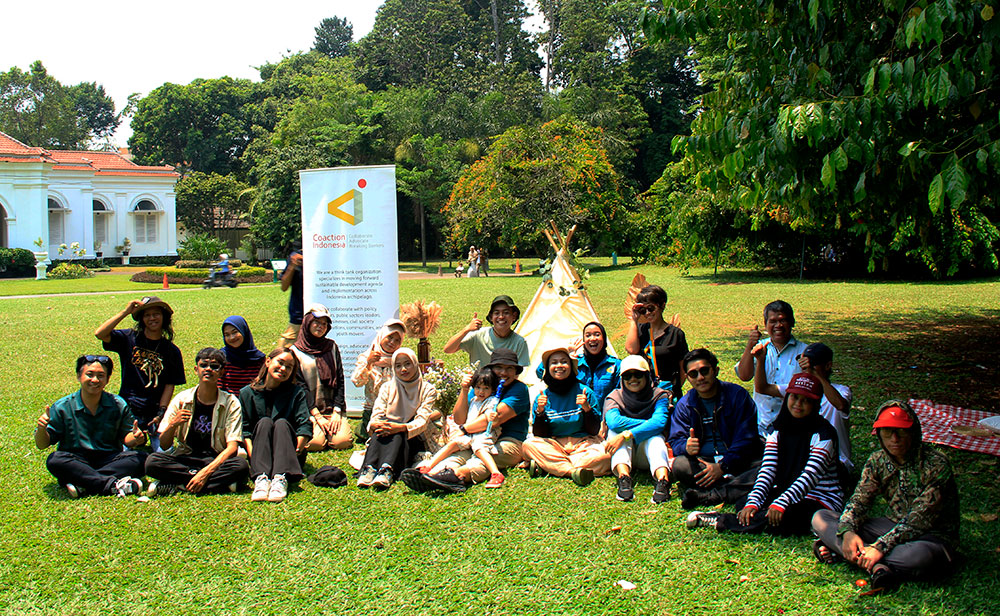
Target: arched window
{"x": 57, "y": 223}
{"x": 101, "y": 212}
{"x": 146, "y": 222}
{"x": 3, "y": 227}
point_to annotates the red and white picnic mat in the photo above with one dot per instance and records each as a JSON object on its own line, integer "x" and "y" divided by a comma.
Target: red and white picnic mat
{"x": 937, "y": 420}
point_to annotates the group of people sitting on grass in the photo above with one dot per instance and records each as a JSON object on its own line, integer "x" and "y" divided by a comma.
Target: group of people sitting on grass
{"x": 782, "y": 458}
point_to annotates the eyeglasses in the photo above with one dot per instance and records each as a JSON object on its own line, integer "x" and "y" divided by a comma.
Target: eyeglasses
{"x": 703, "y": 371}
{"x": 104, "y": 360}
{"x": 213, "y": 366}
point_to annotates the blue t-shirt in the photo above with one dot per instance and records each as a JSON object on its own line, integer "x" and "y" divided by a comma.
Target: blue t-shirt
{"x": 516, "y": 397}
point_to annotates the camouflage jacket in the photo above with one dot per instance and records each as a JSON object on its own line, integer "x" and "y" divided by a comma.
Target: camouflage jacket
{"x": 921, "y": 494}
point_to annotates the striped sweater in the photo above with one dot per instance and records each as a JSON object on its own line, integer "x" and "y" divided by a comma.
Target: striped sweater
{"x": 236, "y": 378}
{"x": 818, "y": 481}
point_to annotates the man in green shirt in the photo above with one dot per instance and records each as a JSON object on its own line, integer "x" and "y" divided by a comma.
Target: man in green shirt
{"x": 90, "y": 426}
{"x": 480, "y": 343}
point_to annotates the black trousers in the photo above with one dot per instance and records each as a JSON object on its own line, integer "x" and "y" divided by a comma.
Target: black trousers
{"x": 273, "y": 450}
{"x": 180, "y": 469}
{"x": 796, "y": 520}
{"x": 95, "y": 472}
{"x": 728, "y": 490}
{"x": 395, "y": 450}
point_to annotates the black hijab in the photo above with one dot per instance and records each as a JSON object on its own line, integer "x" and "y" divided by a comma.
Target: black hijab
{"x": 564, "y": 386}
{"x": 638, "y": 404}
{"x": 595, "y": 360}
{"x": 794, "y": 438}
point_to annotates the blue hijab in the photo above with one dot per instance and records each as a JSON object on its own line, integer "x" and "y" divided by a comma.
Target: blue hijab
{"x": 247, "y": 354}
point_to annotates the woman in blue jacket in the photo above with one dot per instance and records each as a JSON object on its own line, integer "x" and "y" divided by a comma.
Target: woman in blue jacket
{"x": 565, "y": 425}
{"x": 637, "y": 414}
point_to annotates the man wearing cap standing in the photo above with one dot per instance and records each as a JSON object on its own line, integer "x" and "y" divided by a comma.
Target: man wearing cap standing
{"x": 713, "y": 434}
{"x": 151, "y": 363}
{"x": 513, "y": 411}
{"x": 479, "y": 343}
{"x": 919, "y": 535}
{"x": 835, "y": 406}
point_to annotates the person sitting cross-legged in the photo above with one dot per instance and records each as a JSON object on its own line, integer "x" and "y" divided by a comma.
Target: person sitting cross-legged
{"x": 205, "y": 427}
{"x": 918, "y": 536}
{"x": 90, "y": 426}
{"x": 713, "y": 434}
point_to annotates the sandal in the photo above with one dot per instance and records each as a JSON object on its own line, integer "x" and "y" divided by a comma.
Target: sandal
{"x": 884, "y": 579}
{"x": 824, "y": 554}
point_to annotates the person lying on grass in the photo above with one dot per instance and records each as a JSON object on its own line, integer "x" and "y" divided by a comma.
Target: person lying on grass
{"x": 798, "y": 475}
{"x": 204, "y": 425}
{"x": 919, "y": 536}
{"x": 566, "y": 425}
{"x": 482, "y": 444}
{"x": 513, "y": 410}
{"x": 637, "y": 416}
{"x": 276, "y": 426}
{"x": 402, "y": 411}
{"x": 835, "y": 406}
{"x": 90, "y": 426}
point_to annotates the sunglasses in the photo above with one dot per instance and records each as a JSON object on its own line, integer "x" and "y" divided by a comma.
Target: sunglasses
{"x": 213, "y": 366}
{"x": 703, "y": 371}
{"x": 633, "y": 375}
{"x": 104, "y": 360}
{"x": 900, "y": 433}
{"x": 646, "y": 309}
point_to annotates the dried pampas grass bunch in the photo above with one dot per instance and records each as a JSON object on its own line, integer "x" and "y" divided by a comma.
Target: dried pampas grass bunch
{"x": 421, "y": 320}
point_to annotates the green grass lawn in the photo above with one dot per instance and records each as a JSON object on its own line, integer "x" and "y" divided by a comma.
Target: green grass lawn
{"x": 532, "y": 547}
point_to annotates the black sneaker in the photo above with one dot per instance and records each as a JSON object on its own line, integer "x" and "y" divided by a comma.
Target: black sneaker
{"x": 693, "y": 498}
{"x": 625, "y": 491}
{"x": 158, "y": 488}
{"x": 74, "y": 491}
{"x": 661, "y": 493}
{"x": 535, "y": 470}
{"x": 127, "y": 486}
{"x": 703, "y": 519}
{"x": 443, "y": 481}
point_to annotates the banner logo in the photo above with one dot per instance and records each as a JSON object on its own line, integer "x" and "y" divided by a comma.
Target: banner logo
{"x": 334, "y": 207}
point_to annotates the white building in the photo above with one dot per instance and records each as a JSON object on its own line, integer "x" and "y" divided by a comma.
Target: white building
{"x": 87, "y": 197}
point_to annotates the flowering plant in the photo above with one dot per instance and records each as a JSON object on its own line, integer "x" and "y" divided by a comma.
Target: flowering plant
{"x": 448, "y": 383}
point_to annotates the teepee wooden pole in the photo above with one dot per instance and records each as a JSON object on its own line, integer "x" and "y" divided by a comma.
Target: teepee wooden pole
{"x": 569, "y": 236}
{"x": 551, "y": 241}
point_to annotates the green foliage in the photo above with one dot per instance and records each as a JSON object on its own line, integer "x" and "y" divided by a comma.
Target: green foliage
{"x": 65, "y": 271}
{"x": 203, "y": 265}
{"x": 16, "y": 258}
{"x": 557, "y": 171}
{"x": 333, "y": 37}
{"x": 39, "y": 111}
{"x": 203, "y": 126}
{"x": 201, "y": 247}
{"x": 888, "y": 132}
{"x": 207, "y": 202}
{"x": 197, "y": 276}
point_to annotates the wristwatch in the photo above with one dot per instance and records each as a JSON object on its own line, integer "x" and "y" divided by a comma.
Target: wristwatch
{"x": 464, "y": 431}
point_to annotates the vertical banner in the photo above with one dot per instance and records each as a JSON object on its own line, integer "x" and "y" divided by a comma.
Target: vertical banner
{"x": 350, "y": 261}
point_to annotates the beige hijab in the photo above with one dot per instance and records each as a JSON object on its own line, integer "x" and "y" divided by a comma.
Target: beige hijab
{"x": 391, "y": 326}
{"x": 404, "y": 397}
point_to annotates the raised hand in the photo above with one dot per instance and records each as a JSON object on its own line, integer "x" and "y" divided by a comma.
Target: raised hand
{"x": 475, "y": 324}
{"x": 754, "y": 337}
{"x": 542, "y": 401}
{"x": 582, "y": 402}
{"x": 693, "y": 445}
{"x": 43, "y": 419}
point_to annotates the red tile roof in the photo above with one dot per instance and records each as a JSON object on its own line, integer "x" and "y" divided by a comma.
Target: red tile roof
{"x": 103, "y": 163}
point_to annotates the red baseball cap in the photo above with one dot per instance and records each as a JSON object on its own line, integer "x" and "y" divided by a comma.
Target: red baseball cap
{"x": 893, "y": 417}
{"x": 806, "y": 385}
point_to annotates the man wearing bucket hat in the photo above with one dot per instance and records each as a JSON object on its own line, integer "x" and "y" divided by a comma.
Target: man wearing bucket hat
{"x": 479, "y": 343}
{"x": 513, "y": 411}
{"x": 566, "y": 421}
{"x": 151, "y": 363}
{"x": 919, "y": 534}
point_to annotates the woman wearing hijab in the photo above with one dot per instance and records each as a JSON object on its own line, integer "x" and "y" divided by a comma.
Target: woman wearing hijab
{"x": 321, "y": 374}
{"x": 636, "y": 415}
{"x": 276, "y": 426}
{"x": 403, "y": 408}
{"x": 374, "y": 367}
{"x": 565, "y": 425}
{"x": 596, "y": 368}
{"x": 798, "y": 475}
{"x": 243, "y": 358}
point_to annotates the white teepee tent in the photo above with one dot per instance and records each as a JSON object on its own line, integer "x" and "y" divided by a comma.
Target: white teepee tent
{"x": 553, "y": 320}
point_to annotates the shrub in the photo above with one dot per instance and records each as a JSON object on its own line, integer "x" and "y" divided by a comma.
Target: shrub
{"x": 201, "y": 247}
{"x": 188, "y": 264}
{"x": 65, "y": 271}
{"x": 197, "y": 276}
{"x": 16, "y": 262}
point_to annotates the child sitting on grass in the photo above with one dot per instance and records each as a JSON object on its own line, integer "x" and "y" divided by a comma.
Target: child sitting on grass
{"x": 483, "y": 384}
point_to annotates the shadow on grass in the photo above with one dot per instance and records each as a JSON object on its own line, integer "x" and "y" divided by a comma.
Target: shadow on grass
{"x": 740, "y": 277}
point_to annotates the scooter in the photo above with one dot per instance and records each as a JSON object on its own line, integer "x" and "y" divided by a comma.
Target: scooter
{"x": 217, "y": 279}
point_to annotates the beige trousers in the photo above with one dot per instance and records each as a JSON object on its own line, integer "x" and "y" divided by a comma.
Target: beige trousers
{"x": 288, "y": 338}
{"x": 561, "y": 456}
{"x": 343, "y": 439}
{"x": 510, "y": 455}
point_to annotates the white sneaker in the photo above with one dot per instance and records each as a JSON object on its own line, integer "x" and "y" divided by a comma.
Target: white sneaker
{"x": 279, "y": 489}
{"x": 74, "y": 491}
{"x": 127, "y": 486}
{"x": 261, "y": 487}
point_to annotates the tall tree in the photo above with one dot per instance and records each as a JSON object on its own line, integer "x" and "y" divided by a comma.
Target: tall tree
{"x": 38, "y": 110}
{"x": 888, "y": 132}
{"x": 203, "y": 126}
{"x": 207, "y": 202}
{"x": 334, "y": 37}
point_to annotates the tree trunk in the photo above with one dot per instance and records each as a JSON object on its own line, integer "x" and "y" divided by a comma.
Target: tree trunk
{"x": 423, "y": 237}
{"x": 718, "y": 245}
{"x": 498, "y": 54}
